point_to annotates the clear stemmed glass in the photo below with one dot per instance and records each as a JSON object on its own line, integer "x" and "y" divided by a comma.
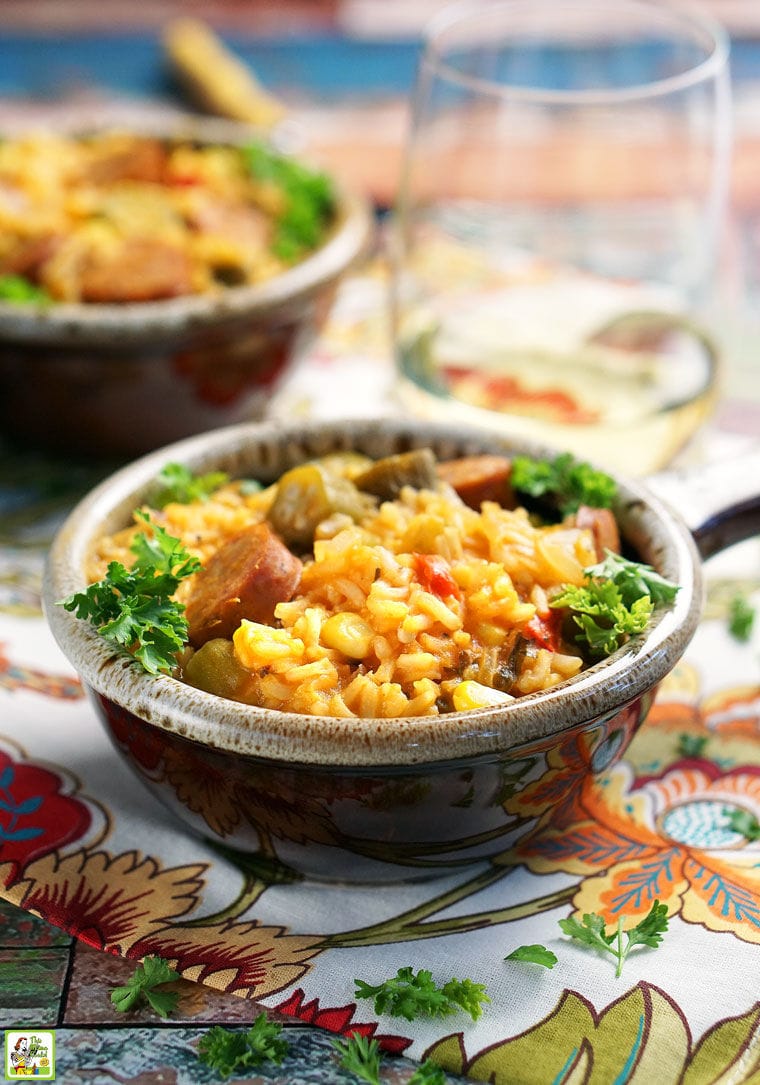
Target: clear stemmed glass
{"x": 555, "y": 238}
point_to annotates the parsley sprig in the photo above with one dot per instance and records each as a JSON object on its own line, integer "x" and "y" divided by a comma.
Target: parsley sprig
{"x": 309, "y": 200}
{"x": 178, "y": 483}
{"x": 230, "y": 1050}
{"x": 743, "y": 822}
{"x": 410, "y": 995}
{"x": 133, "y": 608}
{"x": 428, "y": 1073}
{"x": 533, "y": 954}
{"x": 568, "y": 483}
{"x": 616, "y": 602}
{"x": 360, "y": 1056}
{"x": 592, "y": 932}
{"x": 22, "y": 291}
{"x": 741, "y": 619}
{"x": 143, "y": 984}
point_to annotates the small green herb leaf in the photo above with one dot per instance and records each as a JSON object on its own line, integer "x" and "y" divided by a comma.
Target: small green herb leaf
{"x": 148, "y": 975}
{"x": 133, "y": 608}
{"x": 21, "y": 291}
{"x": 615, "y": 603}
{"x": 592, "y": 932}
{"x": 633, "y": 579}
{"x": 691, "y": 745}
{"x": 427, "y": 1073}
{"x": 741, "y": 619}
{"x": 228, "y": 1050}
{"x": 360, "y": 1056}
{"x": 309, "y": 200}
{"x": 534, "y": 954}
{"x": 178, "y": 483}
{"x": 568, "y": 482}
{"x": 743, "y": 822}
{"x": 413, "y": 995}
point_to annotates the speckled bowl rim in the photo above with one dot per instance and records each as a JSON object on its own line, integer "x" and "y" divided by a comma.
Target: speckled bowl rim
{"x": 139, "y": 321}
{"x": 599, "y": 692}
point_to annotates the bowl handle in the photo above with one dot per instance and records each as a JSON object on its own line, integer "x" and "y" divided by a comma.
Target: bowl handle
{"x": 720, "y": 501}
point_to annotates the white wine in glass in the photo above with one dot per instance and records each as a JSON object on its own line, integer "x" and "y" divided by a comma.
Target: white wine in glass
{"x": 555, "y": 238}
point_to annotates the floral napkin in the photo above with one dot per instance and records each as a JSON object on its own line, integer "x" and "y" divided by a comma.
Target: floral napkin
{"x": 678, "y": 819}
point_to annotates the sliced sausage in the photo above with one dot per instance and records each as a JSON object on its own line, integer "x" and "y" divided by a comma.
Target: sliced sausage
{"x": 129, "y": 160}
{"x": 602, "y": 525}
{"x": 140, "y": 269}
{"x": 480, "y": 478}
{"x": 246, "y": 226}
{"x": 28, "y": 256}
{"x": 245, "y": 578}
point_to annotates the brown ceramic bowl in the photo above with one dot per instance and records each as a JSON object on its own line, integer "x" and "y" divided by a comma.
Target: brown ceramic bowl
{"x": 117, "y": 380}
{"x": 368, "y": 799}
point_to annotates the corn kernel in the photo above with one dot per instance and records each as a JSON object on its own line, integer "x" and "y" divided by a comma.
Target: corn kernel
{"x": 349, "y": 634}
{"x": 471, "y": 694}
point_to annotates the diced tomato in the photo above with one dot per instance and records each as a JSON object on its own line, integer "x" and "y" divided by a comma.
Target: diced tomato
{"x": 545, "y": 631}
{"x": 184, "y": 180}
{"x": 434, "y": 573}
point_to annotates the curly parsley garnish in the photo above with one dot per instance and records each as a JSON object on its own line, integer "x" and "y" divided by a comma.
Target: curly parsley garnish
{"x": 743, "y": 822}
{"x": 360, "y": 1057}
{"x": 566, "y": 482}
{"x": 741, "y": 619}
{"x": 228, "y": 1050}
{"x": 616, "y": 602}
{"x": 142, "y": 984}
{"x": 22, "y": 291}
{"x": 592, "y": 932}
{"x": 428, "y": 1073}
{"x": 309, "y": 200}
{"x": 177, "y": 483}
{"x": 413, "y": 995}
{"x": 133, "y": 608}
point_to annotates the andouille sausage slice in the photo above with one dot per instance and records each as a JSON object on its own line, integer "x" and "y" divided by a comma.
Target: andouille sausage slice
{"x": 602, "y": 525}
{"x": 245, "y": 578}
{"x": 139, "y": 269}
{"x": 480, "y": 478}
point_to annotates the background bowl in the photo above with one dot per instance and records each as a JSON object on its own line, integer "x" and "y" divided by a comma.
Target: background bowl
{"x": 117, "y": 380}
{"x": 362, "y": 799}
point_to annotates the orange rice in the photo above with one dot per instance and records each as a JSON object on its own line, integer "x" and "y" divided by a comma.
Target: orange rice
{"x": 404, "y": 651}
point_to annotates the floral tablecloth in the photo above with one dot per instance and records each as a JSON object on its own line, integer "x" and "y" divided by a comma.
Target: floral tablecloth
{"x": 84, "y": 846}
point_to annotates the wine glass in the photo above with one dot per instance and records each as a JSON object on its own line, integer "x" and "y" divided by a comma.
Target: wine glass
{"x": 555, "y": 237}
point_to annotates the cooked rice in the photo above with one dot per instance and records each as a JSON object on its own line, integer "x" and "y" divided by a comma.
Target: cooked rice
{"x": 421, "y": 647}
{"x": 73, "y": 209}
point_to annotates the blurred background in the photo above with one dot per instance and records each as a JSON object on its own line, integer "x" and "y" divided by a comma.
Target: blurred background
{"x": 342, "y": 70}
